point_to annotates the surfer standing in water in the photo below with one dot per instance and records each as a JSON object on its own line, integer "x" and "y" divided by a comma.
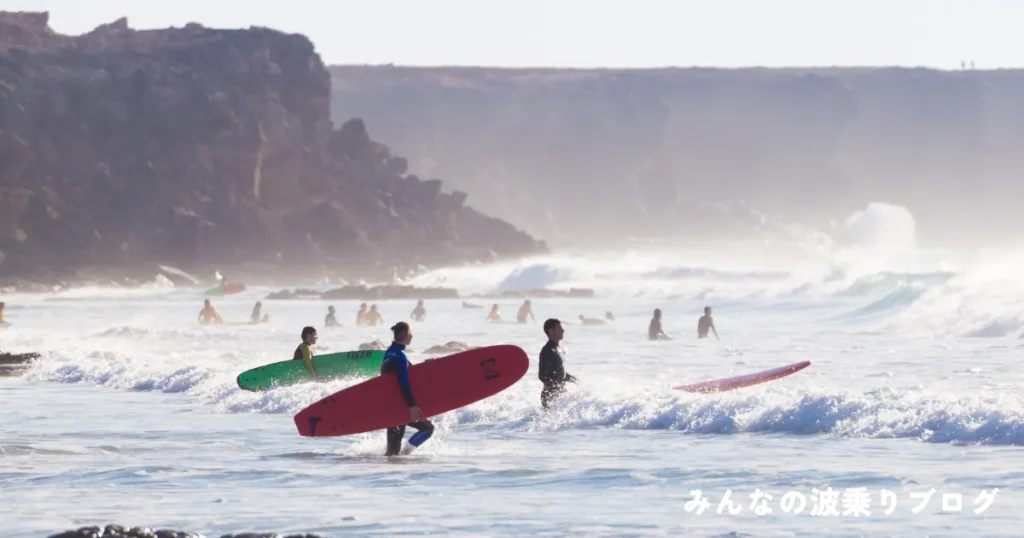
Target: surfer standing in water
{"x": 524, "y": 311}
{"x": 257, "y": 314}
{"x": 303, "y": 353}
{"x": 419, "y": 312}
{"x": 551, "y": 369}
{"x": 654, "y": 330}
{"x": 209, "y": 314}
{"x": 396, "y": 361}
{"x": 704, "y": 323}
{"x": 330, "y": 320}
{"x": 361, "y": 315}
{"x": 494, "y": 316}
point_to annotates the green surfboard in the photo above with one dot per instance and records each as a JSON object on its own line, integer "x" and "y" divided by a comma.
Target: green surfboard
{"x": 329, "y": 366}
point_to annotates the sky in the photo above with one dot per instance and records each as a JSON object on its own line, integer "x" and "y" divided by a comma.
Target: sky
{"x": 600, "y": 33}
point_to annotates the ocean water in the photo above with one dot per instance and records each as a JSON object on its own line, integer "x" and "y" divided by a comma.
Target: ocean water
{"x": 914, "y": 394}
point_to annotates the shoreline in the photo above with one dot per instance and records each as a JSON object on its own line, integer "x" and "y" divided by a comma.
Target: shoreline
{"x": 119, "y": 531}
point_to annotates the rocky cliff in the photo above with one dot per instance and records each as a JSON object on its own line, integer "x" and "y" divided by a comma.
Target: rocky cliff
{"x": 591, "y": 155}
{"x": 198, "y": 147}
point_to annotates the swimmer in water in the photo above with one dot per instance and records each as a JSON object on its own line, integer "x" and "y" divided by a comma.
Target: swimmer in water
{"x": 591, "y": 321}
{"x": 396, "y": 361}
{"x": 704, "y": 323}
{"x": 494, "y": 315}
{"x": 373, "y": 317}
{"x": 551, "y": 368}
{"x": 654, "y": 330}
{"x": 361, "y": 315}
{"x": 330, "y": 320}
{"x": 209, "y": 314}
{"x": 419, "y": 312}
{"x": 525, "y": 310}
{"x": 303, "y": 352}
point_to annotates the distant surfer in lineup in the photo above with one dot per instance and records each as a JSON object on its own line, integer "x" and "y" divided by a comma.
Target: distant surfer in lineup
{"x": 361, "y": 315}
{"x": 373, "y": 317}
{"x": 551, "y": 369}
{"x": 395, "y": 361}
{"x": 525, "y": 310}
{"x": 257, "y": 315}
{"x": 419, "y": 312}
{"x": 303, "y": 352}
{"x": 609, "y": 316}
{"x": 209, "y": 314}
{"x": 494, "y": 315}
{"x": 591, "y": 321}
{"x": 330, "y": 320}
{"x": 705, "y": 323}
{"x": 654, "y": 330}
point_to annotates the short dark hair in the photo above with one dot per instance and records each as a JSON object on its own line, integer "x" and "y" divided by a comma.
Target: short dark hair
{"x": 400, "y": 328}
{"x": 306, "y": 331}
{"x": 550, "y": 323}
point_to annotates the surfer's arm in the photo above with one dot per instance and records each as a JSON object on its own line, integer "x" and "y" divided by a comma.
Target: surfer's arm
{"x": 307, "y": 359}
{"x": 403, "y": 382}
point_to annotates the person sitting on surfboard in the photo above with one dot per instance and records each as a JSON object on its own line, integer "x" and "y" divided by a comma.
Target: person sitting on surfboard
{"x": 396, "y": 361}
{"x": 654, "y": 331}
{"x": 525, "y": 310}
{"x": 208, "y": 314}
{"x": 330, "y": 320}
{"x": 494, "y": 315}
{"x": 361, "y": 315}
{"x": 373, "y": 317}
{"x": 419, "y": 312}
{"x": 551, "y": 371}
{"x": 704, "y": 323}
{"x": 303, "y": 353}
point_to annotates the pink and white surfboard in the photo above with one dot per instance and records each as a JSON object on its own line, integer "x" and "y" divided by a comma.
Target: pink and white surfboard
{"x": 740, "y": 381}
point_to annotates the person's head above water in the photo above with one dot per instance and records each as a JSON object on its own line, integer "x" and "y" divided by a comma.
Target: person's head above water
{"x": 330, "y": 309}
{"x": 553, "y": 328}
{"x": 419, "y": 303}
{"x": 206, "y": 302}
{"x": 707, "y": 310}
{"x": 309, "y": 335}
{"x": 402, "y": 333}
{"x": 657, "y": 313}
{"x": 362, "y": 306}
{"x": 373, "y": 308}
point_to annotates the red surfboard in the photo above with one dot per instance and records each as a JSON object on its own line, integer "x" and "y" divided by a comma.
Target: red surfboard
{"x": 439, "y": 385}
{"x": 740, "y": 381}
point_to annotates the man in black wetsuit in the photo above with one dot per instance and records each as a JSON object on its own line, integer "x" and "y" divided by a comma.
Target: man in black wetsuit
{"x": 396, "y": 361}
{"x": 552, "y": 366}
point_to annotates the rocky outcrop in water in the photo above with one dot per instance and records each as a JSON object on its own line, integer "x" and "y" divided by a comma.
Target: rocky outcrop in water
{"x": 117, "y": 531}
{"x": 364, "y": 293}
{"x": 198, "y": 147}
{"x": 689, "y": 154}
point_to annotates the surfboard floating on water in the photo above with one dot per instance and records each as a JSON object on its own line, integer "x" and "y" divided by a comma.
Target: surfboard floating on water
{"x": 439, "y": 385}
{"x": 740, "y": 381}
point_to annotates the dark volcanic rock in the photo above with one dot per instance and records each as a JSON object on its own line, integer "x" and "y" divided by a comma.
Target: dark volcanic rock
{"x": 363, "y": 293}
{"x": 196, "y": 147}
{"x": 117, "y": 531}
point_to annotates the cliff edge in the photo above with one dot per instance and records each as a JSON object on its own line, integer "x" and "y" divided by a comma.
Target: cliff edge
{"x": 197, "y": 147}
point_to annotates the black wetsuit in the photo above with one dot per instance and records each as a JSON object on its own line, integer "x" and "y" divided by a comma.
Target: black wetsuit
{"x": 552, "y": 373}
{"x": 396, "y": 361}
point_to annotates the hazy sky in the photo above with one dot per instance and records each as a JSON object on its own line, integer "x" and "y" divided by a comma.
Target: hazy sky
{"x": 591, "y": 33}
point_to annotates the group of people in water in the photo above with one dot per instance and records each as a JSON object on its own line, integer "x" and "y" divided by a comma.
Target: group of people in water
{"x": 551, "y": 365}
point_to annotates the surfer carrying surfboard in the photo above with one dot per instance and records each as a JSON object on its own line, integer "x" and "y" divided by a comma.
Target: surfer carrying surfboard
{"x": 395, "y": 361}
{"x": 303, "y": 353}
{"x": 551, "y": 369}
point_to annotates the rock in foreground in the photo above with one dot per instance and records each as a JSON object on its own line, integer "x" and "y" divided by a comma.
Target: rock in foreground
{"x": 193, "y": 146}
{"x": 117, "y": 531}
